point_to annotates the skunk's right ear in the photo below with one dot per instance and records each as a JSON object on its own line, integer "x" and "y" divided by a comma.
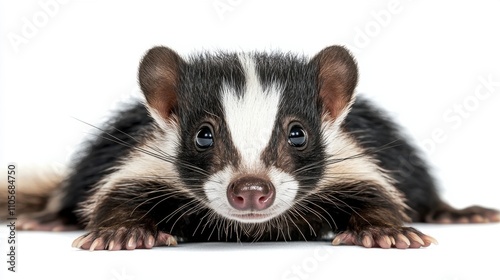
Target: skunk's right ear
{"x": 159, "y": 77}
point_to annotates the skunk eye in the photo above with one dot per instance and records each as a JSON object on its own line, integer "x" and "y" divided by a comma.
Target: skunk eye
{"x": 204, "y": 138}
{"x": 297, "y": 136}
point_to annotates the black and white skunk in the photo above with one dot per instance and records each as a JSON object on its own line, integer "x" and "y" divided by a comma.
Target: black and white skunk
{"x": 249, "y": 147}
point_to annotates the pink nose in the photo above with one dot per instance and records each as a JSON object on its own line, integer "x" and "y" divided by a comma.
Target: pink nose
{"x": 251, "y": 193}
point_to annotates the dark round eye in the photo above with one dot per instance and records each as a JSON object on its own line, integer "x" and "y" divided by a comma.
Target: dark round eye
{"x": 297, "y": 136}
{"x": 204, "y": 138}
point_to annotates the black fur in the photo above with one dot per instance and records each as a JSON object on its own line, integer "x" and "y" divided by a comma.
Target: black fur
{"x": 299, "y": 81}
{"x": 199, "y": 101}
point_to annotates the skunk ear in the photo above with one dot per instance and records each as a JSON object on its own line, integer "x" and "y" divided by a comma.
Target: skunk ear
{"x": 337, "y": 79}
{"x": 159, "y": 77}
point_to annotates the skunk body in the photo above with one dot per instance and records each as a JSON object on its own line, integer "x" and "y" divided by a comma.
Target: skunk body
{"x": 250, "y": 147}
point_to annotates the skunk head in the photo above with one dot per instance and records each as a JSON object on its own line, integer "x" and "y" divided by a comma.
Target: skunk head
{"x": 250, "y": 139}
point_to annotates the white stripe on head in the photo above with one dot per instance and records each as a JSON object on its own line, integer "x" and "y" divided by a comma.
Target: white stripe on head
{"x": 250, "y": 117}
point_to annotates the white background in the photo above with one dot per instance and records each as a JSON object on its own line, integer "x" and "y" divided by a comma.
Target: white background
{"x": 421, "y": 60}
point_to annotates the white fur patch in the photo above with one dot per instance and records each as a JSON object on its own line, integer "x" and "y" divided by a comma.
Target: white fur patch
{"x": 142, "y": 165}
{"x": 251, "y": 118}
{"x": 357, "y": 167}
{"x": 215, "y": 189}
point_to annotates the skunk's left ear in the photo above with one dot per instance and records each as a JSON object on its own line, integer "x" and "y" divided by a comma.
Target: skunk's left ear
{"x": 337, "y": 79}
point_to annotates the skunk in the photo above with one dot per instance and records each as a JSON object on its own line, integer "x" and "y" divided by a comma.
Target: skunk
{"x": 248, "y": 147}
